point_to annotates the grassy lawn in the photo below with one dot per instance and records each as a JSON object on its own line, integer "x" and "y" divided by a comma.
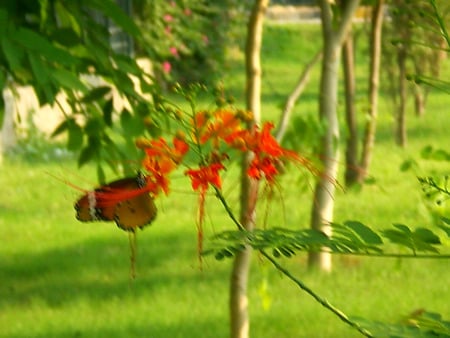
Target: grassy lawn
{"x": 62, "y": 278}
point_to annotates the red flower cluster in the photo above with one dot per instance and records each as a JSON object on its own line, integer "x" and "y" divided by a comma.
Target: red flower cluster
{"x": 212, "y": 136}
{"x": 161, "y": 160}
{"x": 221, "y": 127}
{"x": 204, "y": 176}
{"x": 228, "y": 127}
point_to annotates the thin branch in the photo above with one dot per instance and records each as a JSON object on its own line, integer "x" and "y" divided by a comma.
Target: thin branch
{"x": 228, "y": 209}
{"x": 393, "y": 255}
{"x": 342, "y": 316}
{"x": 293, "y": 97}
{"x": 440, "y": 22}
{"x": 346, "y": 20}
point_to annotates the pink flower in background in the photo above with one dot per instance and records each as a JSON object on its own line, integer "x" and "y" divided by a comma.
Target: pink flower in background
{"x": 168, "y": 18}
{"x": 174, "y": 51}
{"x": 173, "y": 4}
{"x": 168, "y": 30}
{"x": 205, "y": 39}
{"x": 187, "y": 12}
{"x": 167, "y": 67}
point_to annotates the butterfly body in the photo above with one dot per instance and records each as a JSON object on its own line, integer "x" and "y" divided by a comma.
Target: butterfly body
{"x": 125, "y": 201}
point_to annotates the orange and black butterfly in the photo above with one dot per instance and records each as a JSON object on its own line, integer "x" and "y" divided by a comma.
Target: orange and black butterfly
{"x": 125, "y": 201}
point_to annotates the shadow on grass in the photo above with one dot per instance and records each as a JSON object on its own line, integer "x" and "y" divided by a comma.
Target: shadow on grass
{"x": 98, "y": 269}
{"x": 194, "y": 328}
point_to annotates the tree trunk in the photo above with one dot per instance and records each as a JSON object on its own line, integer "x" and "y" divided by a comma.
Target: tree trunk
{"x": 351, "y": 153}
{"x": 293, "y": 97}
{"x": 239, "y": 319}
{"x": 419, "y": 100}
{"x": 252, "y": 58}
{"x": 323, "y": 203}
{"x": 400, "y": 132}
{"x": 374, "y": 80}
{"x": 8, "y": 136}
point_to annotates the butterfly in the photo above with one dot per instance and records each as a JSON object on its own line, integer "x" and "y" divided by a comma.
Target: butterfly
{"x": 125, "y": 201}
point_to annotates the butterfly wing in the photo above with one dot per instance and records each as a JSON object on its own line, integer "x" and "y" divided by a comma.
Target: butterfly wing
{"x": 99, "y": 204}
{"x": 135, "y": 212}
{"x": 123, "y": 201}
{"x": 85, "y": 209}
{"x": 111, "y": 194}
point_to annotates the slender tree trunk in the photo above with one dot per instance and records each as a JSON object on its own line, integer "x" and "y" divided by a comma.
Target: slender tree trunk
{"x": 253, "y": 58}
{"x": 323, "y": 203}
{"x": 419, "y": 100}
{"x": 8, "y": 136}
{"x": 374, "y": 80}
{"x": 239, "y": 318}
{"x": 351, "y": 153}
{"x": 400, "y": 132}
{"x": 293, "y": 97}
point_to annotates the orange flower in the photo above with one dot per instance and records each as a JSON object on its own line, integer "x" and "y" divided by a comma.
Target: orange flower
{"x": 161, "y": 159}
{"x": 204, "y": 176}
{"x": 224, "y": 124}
{"x": 201, "y": 179}
{"x": 263, "y": 168}
{"x": 160, "y": 149}
{"x": 266, "y": 150}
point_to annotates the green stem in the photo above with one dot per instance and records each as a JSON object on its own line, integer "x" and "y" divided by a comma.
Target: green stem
{"x": 305, "y": 288}
{"x": 228, "y": 209}
{"x": 342, "y": 316}
{"x": 440, "y": 22}
{"x": 392, "y": 255}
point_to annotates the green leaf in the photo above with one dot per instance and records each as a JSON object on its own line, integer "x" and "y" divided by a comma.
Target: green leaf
{"x": 13, "y": 53}
{"x": 128, "y": 65}
{"x": 67, "y": 16}
{"x": 445, "y": 227}
{"x": 430, "y": 153}
{"x": 86, "y": 155}
{"x": 2, "y": 101}
{"x": 426, "y": 151}
{"x": 101, "y": 174}
{"x": 75, "y": 139}
{"x": 420, "y": 240}
{"x": 107, "y": 112}
{"x": 363, "y": 231}
{"x": 33, "y": 41}
{"x": 131, "y": 125}
{"x": 276, "y": 253}
{"x": 426, "y": 236}
{"x": 89, "y": 152}
{"x": 66, "y": 37}
{"x": 440, "y": 155}
{"x": 219, "y": 256}
{"x": 403, "y": 228}
{"x": 61, "y": 128}
{"x": 39, "y": 69}
{"x": 401, "y": 236}
{"x": 68, "y": 80}
{"x": 113, "y": 11}
{"x": 96, "y": 94}
{"x": 94, "y": 127}
{"x": 3, "y": 19}
{"x": 122, "y": 81}
{"x": 407, "y": 165}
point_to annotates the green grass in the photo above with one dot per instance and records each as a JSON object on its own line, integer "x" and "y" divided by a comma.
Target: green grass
{"x": 62, "y": 278}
